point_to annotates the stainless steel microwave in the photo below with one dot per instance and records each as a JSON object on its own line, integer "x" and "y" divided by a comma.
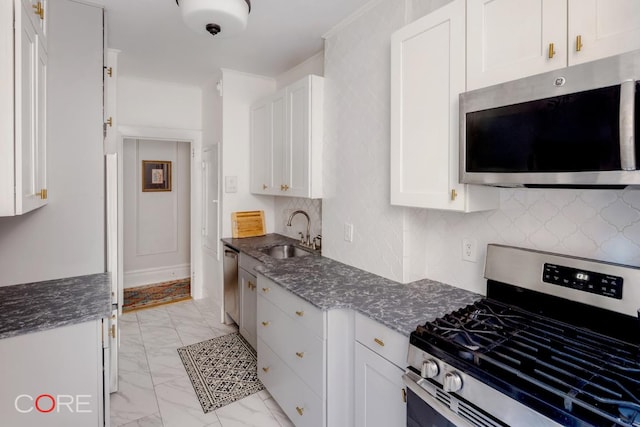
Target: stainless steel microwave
{"x": 575, "y": 127}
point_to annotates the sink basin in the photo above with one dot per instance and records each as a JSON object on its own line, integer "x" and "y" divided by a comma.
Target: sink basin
{"x": 284, "y": 251}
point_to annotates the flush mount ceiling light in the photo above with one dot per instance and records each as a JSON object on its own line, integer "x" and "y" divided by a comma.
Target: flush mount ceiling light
{"x": 223, "y": 17}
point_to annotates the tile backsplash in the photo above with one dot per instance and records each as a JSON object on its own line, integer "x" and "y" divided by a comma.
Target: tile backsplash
{"x": 284, "y": 206}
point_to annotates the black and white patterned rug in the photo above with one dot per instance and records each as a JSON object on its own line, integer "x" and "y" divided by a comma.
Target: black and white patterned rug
{"x": 222, "y": 370}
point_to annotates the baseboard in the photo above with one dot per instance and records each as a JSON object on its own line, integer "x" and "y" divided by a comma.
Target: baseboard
{"x": 150, "y": 276}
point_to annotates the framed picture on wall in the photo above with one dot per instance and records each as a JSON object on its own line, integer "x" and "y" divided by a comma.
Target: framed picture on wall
{"x": 156, "y": 175}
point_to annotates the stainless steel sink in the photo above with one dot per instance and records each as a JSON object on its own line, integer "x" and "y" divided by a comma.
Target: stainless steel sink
{"x": 284, "y": 251}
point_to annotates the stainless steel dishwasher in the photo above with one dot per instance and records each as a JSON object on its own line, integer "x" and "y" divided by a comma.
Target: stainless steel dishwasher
{"x": 231, "y": 294}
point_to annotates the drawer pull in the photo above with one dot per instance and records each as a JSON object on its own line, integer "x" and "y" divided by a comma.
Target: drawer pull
{"x": 266, "y": 369}
{"x": 300, "y": 410}
{"x": 249, "y": 284}
{"x": 379, "y": 342}
{"x": 300, "y": 313}
{"x": 300, "y": 354}
{"x": 265, "y": 290}
{"x": 265, "y": 323}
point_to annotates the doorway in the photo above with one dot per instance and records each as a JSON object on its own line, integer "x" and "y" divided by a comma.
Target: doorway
{"x": 156, "y": 222}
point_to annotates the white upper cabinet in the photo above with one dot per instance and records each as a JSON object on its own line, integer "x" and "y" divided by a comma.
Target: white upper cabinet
{"x": 23, "y": 121}
{"x": 510, "y": 39}
{"x": 286, "y": 141}
{"x": 601, "y": 28}
{"x": 427, "y": 76}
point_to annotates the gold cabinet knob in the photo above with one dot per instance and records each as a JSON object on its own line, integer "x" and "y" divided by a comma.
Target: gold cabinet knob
{"x": 265, "y": 290}
{"x": 300, "y": 354}
{"x": 300, "y": 410}
{"x": 265, "y": 186}
{"x": 250, "y": 285}
{"x": 265, "y": 323}
{"x": 552, "y": 51}
{"x": 38, "y": 10}
{"x": 379, "y": 342}
{"x": 578, "y": 43}
{"x": 284, "y": 187}
{"x": 300, "y": 313}
{"x": 43, "y": 194}
{"x": 266, "y": 369}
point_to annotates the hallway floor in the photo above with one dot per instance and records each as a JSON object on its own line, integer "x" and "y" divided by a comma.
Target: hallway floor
{"x": 155, "y": 390}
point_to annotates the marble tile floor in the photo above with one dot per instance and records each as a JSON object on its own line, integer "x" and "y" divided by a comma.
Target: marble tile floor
{"x": 155, "y": 390}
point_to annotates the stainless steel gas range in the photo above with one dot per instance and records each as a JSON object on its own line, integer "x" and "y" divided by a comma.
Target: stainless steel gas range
{"x": 554, "y": 343}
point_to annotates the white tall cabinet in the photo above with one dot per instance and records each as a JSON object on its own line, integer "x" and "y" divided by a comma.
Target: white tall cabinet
{"x": 23, "y": 121}
{"x": 510, "y": 39}
{"x": 286, "y": 141}
{"x": 427, "y": 75}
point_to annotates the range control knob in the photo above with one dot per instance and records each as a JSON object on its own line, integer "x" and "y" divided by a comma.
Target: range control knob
{"x": 429, "y": 369}
{"x": 452, "y": 382}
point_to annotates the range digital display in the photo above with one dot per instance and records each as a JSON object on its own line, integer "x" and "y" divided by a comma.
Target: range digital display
{"x": 587, "y": 281}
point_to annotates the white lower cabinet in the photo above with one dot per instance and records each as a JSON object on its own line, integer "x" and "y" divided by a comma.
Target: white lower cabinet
{"x": 54, "y": 378}
{"x": 305, "y": 357}
{"x": 380, "y": 355}
{"x": 248, "y": 285}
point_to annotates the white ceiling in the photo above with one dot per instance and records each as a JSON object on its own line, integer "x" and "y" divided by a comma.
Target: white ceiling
{"x": 280, "y": 34}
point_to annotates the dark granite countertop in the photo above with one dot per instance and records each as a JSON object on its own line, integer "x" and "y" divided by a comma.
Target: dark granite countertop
{"x": 329, "y": 284}
{"x": 38, "y": 306}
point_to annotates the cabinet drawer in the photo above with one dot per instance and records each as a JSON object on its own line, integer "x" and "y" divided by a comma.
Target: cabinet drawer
{"x": 300, "y": 350}
{"x": 302, "y": 312}
{"x": 388, "y": 343}
{"x": 296, "y": 399}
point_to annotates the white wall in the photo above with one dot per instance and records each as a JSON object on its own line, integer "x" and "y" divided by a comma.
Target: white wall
{"x": 404, "y": 244}
{"x": 156, "y": 224}
{"x": 312, "y": 65}
{"x": 66, "y": 237}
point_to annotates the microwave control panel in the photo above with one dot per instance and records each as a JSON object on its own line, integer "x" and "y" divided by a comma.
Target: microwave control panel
{"x": 582, "y": 280}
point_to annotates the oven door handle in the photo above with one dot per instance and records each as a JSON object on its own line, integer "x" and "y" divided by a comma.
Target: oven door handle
{"x": 412, "y": 381}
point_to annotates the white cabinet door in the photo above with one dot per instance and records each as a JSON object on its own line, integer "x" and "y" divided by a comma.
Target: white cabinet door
{"x": 298, "y": 141}
{"x": 601, "y": 28}
{"x": 261, "y": 159}
{"x": 427, "y": 76}
{"x": 278, "y": 142}
{"x": 248, "y": 305}
{"x": 30, "y": 104}
{"x": 510, "y": 39}
{"x": 380, "y": 398}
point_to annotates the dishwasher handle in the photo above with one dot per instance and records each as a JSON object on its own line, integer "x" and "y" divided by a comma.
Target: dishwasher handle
{"x": 230, "y": 253}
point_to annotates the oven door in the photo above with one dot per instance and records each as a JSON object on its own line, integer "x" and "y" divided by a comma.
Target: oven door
{"x": 424, "y": 410}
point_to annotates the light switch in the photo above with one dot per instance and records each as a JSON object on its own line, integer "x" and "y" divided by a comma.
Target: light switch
{"x": 230, "y": 184}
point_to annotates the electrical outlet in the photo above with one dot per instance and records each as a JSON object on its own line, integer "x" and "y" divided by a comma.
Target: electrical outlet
{"x": 348, "y": 232}
{"x": 470, "y": 250}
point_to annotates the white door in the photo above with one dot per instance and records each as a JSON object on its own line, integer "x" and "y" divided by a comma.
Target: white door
{"x": 112, "y": 266}
{"x": 601, "y": 28}
{"x": 210, "y": 197}
{"x": 510, "y": 39}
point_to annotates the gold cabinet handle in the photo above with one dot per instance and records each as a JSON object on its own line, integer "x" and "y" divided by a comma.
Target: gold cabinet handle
{"x": 284, "y": 187}
{"x": 578, "y": 43}
{"x": 300, "y": 313}
{"x": 266, "y": 369}
{"x": 404, "y": 395}
{"x": 379, "y": 342}
{"x": 113, "y": 332}
{"x": 39, "y": 10}
{"x": 454, "y": 194}
{"x": 265, "y": 323}
{"x": 265, "y": 290}
{"x": 250, "y": 285}
{"x": 300, "y": 354}
{"x": 265, "y": 186}
{"x": 43, "y": 194}
{"x": 552, "y": 51}
{"x": 109, "y": 121}
{"x": 300, "y": 410}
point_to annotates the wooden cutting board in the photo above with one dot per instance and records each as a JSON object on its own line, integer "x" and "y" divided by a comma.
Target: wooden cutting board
{"x": 247, "y": 224}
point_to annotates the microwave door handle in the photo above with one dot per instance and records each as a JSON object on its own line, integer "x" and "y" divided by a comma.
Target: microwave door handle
{"x": 627, "y": 117}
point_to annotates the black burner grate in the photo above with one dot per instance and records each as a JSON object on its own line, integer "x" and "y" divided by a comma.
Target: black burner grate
{"x": 573, "y": 375}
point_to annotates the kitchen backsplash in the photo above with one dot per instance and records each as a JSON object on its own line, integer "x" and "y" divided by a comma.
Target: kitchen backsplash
{"x": 406, "y": 244}
{"x": 284, "y": 206}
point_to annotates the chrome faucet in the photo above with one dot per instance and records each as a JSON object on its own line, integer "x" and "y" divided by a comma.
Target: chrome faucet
{"x": 305, "y": 240}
